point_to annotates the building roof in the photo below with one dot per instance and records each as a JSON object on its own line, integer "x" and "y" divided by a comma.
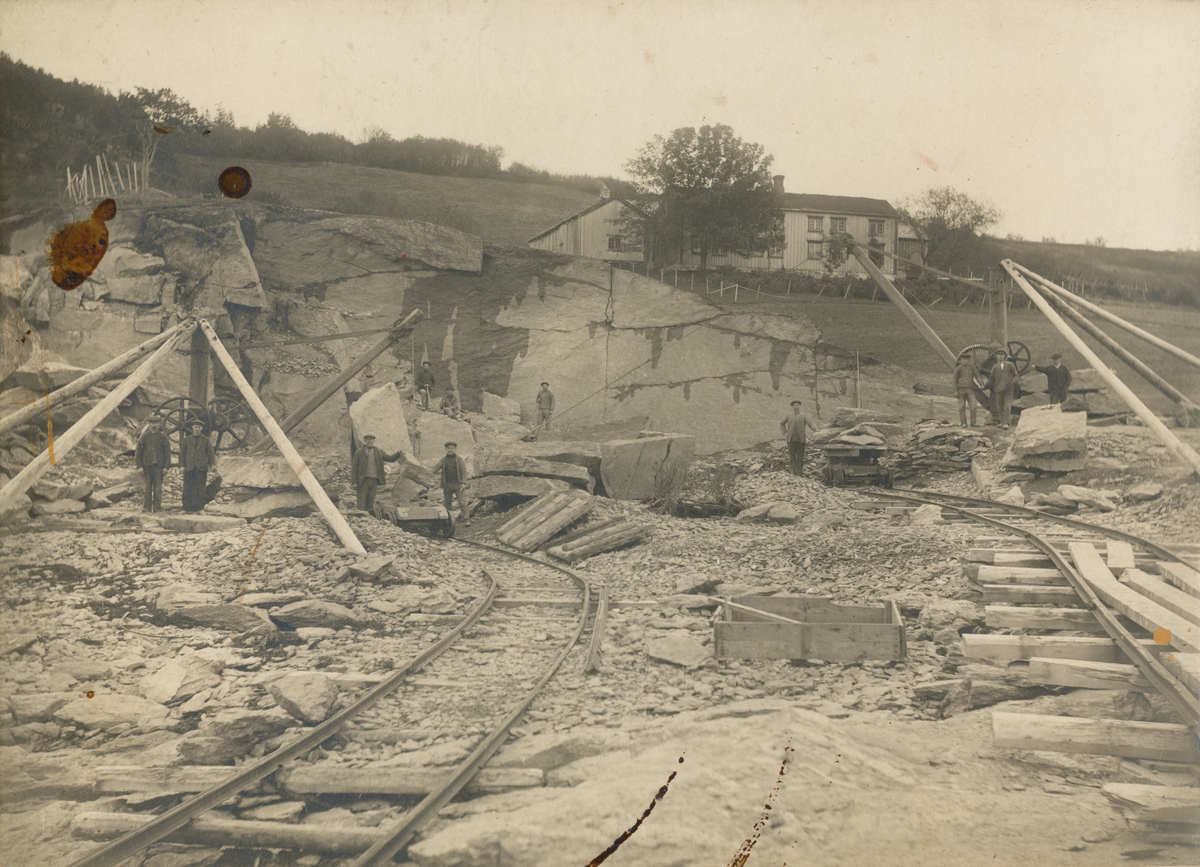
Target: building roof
{"x": 585, "y": 211}
{"x": 817, "y": 203}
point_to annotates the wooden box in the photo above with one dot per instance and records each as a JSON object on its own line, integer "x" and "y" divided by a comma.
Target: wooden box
{"x": 823, "y": 630}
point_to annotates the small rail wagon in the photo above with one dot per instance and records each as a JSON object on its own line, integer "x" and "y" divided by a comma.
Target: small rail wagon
{"x": 432, "y": 519}
{"x": 849, "y": 464}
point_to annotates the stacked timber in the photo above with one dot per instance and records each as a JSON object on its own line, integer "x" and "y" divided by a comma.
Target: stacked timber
{"x": 606, "y": 536}
{"x": 544, "y": 517}
{"x": 939, "y": 447}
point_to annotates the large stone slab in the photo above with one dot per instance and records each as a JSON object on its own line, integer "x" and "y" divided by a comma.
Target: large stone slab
{"x": 233, "y": 277}
{"x": 231, "y": 734}
{"x": 273, "y": 504}
{"x": 273, "y": 471}
{"x": 581, "y": 454}
{"x": 1086, "y": 379}
{"x": 38, "y": 706}
{"x": 1087, "y": 497}
{"x": 307, "y": 696}
{"x": 1104, "y": 402}
{"x": 109, "y": 709}
{"x": 1044, "y": 430}
{"x": 501, "y": 408}
{"x": 485, "y": 487}
{"x": 42, "y": 376}
{"x": 507, "y": 463}
{"x": 180, "y": 679}
{"x": 678, "y": 650}
{"x": 380, "y": 411}
{"x": 315, "y": 612}
{"x": 638, "y": 469}
{"x": 1050, "y": 462}
{"x": 226, "y": 615}
{"x": 434, "y": 430}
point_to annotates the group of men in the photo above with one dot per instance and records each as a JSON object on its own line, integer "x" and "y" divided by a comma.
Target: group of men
{"x": 368, "y": 473}
{"x": 196, "y": 457}
{"x": 1002, "y": 383}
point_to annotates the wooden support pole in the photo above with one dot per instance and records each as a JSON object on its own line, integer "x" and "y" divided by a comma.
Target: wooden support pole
{"x": 327, "y": 509}
{"x": 199, "y": 371}
{"x": 83, "y": 383}
{"x": 1125, "y": 355}
{"x": 1184, "y": 453}
{"x": 998, "y": 314}
{"x": 1112, "y": 317}
{"x": 58, "y": 447}
{"x": 327, "y": 391}
{"x": 914, "y": 318}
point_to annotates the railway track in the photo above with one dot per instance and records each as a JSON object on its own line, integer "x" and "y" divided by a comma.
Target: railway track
{"x": 517, "y": 635}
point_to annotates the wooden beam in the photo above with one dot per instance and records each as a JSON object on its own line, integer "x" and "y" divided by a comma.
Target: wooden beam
{"x": 1100, "y": 737}
{"x": 1120, "y": 556}
{"x": 1076, "y": 619}
{"x": 1013, "y": 647}
{"x": 329, "y": 780}
{"x": 1174, "y": 804}
{"x": 1020, "y": 594}
{"x": 1186, "y": 667}
{"x": 1184, "y": 453}
{"x": 1009, "y": 557}
{"x": 1018, "y": 575}
{"x": 83, "y": 383}
{"x": 1088, "y": 675}
{"x": 1157, "y": 590}
{"x": 1184, "y": 577}
{"x": 1148, "y": 614}
{"x": 335, "y": 839}
{"x": 58, "y": 447}
{"x": 592, "y": 663}
{"x": 328, "y": 511}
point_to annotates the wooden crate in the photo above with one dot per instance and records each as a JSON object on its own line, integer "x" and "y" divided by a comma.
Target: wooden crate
{"x": 824, "y": 630}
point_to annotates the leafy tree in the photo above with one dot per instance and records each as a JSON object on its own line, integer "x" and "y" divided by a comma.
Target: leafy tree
{"x": 705, "y": 188}
{"x": 157, "y": 114}
{"x": 949, "y": 222}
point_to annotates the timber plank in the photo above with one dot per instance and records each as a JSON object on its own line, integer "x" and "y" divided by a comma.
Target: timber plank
{"x": 333, "y": 839}
{"x": 1185, "y": 578}
{"x": 832, "y": 642}
{"x": 1120, "y": 556}
{"x": 1175, "y": 804}
{"x": 1088, "y": 675}
{"x": 1078, "y": 619}
{"x": 1186, "y": 667}
{"x": 1166, "y": 595}
{"x": 1013, "y": 647}
{"x": 1019, "y": 575}
{"x": 1148, "y": 614}
{"x": 1104, "y": 737}
{"x": 1022, "y": 594}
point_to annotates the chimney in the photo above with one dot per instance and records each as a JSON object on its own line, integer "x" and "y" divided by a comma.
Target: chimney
{"x": 778, "y": 179}
{"x": 605, "y": 192}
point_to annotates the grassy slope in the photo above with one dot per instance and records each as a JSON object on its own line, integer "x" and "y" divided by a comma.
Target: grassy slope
{"x": 502, "y": 212}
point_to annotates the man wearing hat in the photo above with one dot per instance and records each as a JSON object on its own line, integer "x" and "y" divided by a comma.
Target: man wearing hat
{"x": 196, "y": 458}
{"x": 1058, "y": 378}
{"x": 452, "y": 470}
{"x": 1002, "y": 380}
{"x": 451, "y": 405}
{"x": 964, "y": 387}
{"x": 793, "y": 427}
{"x": 545, "y": 406}
{"x": 424, "y": 384}
{"x": 368, "y": 472}
{"x": 153, "y": 455}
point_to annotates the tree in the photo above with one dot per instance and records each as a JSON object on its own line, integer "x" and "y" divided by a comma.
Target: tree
{"x": 948, "y": 221}
{"x": 156, "y": 114}
{"x": 707, "y": 189}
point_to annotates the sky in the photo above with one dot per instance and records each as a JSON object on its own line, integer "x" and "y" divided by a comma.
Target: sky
{"x": 1077, "y": 120}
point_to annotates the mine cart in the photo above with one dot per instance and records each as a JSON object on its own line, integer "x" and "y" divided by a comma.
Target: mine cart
{"x": 849, "y": 463}
{"x": 434, "y": 519}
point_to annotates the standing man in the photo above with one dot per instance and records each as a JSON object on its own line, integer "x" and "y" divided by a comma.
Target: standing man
{"x": 964, "y": 386}
{"x": 545, "y": 406}
{"x": 1058, "y": 378}
{"x": 1003, "y": 382}
{"x": 793, "y": 427}
{"x": 424, "y": 384}
{"x": 367, "y": 469}
{"x": 153, "y": 456}
{"x": 453, "y": 472}
{"x": 196, "y": 458}
{"x": 451, "y": 405}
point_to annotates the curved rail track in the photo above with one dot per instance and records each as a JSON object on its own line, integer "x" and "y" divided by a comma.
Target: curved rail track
{"x": 517, "y": 663}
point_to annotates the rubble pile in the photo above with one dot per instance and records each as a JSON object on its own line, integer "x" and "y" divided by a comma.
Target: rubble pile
{"x": 939, "y": 447}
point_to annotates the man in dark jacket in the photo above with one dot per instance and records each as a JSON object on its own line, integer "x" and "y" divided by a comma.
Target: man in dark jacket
{"x": 196, "y": 458}
{"x": 1003, "y": 381}
{"x": 545, "y": 406}
{"x": 793, "y": 427}
{"x": 153, "y": 455}
{"x": 452, "y": 470}
{"x": 964, "y": 387}
{"x": 368, "y": 471}
{"x": 424, "y": 383}
{"x": 1058, "y": 378}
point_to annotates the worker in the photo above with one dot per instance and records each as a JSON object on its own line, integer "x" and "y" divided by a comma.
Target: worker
{"x": 964, "y": 386}
{"x": 196, "y": 458}
{"x": 153, "y": 456}
{"x": 1002, "y": 380}
{"x": 545, "y": 406}
{"x": 368, "y": 472}
{"x": 793, "y": 427}
{"x": 1058, "y": 378}
{"x": 424, "y": 384}
{"x": 451, "y": 405}
{"x": 453, "y": 472}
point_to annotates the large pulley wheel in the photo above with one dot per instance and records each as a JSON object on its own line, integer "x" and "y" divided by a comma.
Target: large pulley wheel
{"x": 233, "y": 421}
{"x": 1019, "y": 353}
{"x": 178, "y": 415}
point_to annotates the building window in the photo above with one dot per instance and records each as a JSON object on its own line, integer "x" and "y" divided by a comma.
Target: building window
{"x": 875, "y": 227}
{"x": 837, "y": 224}
{"x": 815, "y": 250}
{"x": 816, "y": 224}
{"x": 614, "y": 243}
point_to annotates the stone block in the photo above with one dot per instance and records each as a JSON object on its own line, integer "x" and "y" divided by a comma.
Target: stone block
{"x": 1086, "y": 379}
{"x": 45, "y": 376}
{"x": 58, "y": 507}
{"x": 37, "y": 707}
{"x": 226, "y": 615}
{"x": 180, "y": 679}
{"x": 307, "y": 696}
{"x": 380, "y": 411}
{"x": 1052, "y": 462}
{"x": 273, "y": 471}
{"x": 678, "y": 650}
{"x": 315, "y": 612}
{"x": 105, "y": 710}
{"x": 639, "y": 469}
{"x": 1049, "y": 430}
{"x": 501, "y": 408}
{"x": 755, "y": 513}
{"x": 516, "y": 464}
{"x": 281, "y": 504}
{"x": 1104, "y": 402}
{"x": 200, "y": 523}
{"x": 1144, "y": 491}
{"x": 783, "y": 513}
{"x": 371, "y": 567}
{"x": 1014, "y": 496}
{"x": 1087, "y": 497}
{"x": 16, "y": 509}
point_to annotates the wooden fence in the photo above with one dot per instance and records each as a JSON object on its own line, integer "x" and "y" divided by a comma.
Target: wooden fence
{"x": 104, "y": 180}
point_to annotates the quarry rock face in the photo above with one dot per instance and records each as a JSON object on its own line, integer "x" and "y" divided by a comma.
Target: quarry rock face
{"x": 380, "y": 411}
{"x": 637, "y": 469}
{"x": 501, "y": 407}
{"x": 435, "y": 430}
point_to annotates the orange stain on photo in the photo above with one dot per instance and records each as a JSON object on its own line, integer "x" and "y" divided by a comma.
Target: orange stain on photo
{"x": 928, "y": 161}
{"x": 77, "y": 248}
{"x": 234, "y": 182}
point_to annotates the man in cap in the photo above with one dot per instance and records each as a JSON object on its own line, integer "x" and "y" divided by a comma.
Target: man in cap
{"x": 196, "y": 458}
{"x": 153, "y": 455}
{"x": 451, "y": 405}
{"x": 452, "y": 470}
{"x": 368, "y": 472}
{"x": 424, "y": 383}
{"x": 793, "y": 427}
{"x": 964, "y": 387}
{"x": 1002, "y": 380}
{"x": 1058, "y": 378}
{"x": 545, "y": 406}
